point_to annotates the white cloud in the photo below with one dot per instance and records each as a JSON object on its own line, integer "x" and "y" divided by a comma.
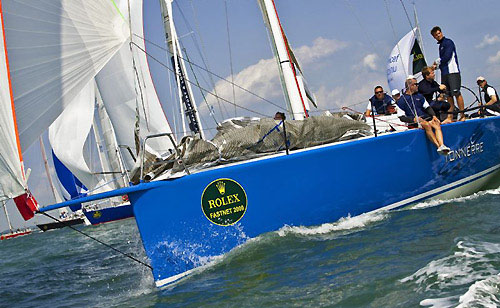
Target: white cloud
{"x": 488, "y": 40}
{"x": 263, "y": 79}
{"x": 370, "y": 61}
{"x": 494, "y": 59}
{"x": 355, "y": 98}
{"x": 321, "y": 48}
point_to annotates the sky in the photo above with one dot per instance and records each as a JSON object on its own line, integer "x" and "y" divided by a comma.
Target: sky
{"x": 341, "y": 45}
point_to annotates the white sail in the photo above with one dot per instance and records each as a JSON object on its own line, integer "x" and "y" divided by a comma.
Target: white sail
{"x": 293, "y": 87}
{"x": 122, "y": 94}
{"x": 12, "y": 182}
{"x": 109, "y": 152}
{"x": 68, "y": 133}
{"x": 55, "y": 48}
{"x": 399, "y": 64}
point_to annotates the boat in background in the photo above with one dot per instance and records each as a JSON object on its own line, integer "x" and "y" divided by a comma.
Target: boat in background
{"x": 12, "y": 233}
{"x": 97, "y": 215}
{"x": 65, "y": 220}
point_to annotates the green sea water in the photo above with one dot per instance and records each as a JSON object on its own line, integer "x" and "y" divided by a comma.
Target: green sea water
{"x": 434, "y": 254}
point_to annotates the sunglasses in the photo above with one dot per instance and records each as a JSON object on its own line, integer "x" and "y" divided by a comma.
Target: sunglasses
{"x": 378, "y": 92}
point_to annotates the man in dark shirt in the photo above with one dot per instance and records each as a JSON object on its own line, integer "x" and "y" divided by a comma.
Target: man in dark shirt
{"x": 450, "y": 71}
{"x": 418, "y": 110}
{"x": 379, "y": 102}
{"x": 491, "y": 98}
{"x": 428, "y": 87}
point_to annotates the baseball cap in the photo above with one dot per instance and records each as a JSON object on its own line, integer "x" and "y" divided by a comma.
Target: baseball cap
{"x": 480, "y": 78}
{"x": 395, "y": 92}
{"x": 411, "y": 77}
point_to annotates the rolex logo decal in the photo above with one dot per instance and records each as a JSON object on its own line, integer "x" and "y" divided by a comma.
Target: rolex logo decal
{"x": 221, "y": 186}
{"x": 224, "y": 202}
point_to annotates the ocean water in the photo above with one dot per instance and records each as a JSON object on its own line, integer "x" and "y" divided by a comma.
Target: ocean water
{"x": 434, "y": 254}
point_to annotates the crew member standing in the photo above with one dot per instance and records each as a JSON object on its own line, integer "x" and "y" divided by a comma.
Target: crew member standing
{"x": 450, "y": 71}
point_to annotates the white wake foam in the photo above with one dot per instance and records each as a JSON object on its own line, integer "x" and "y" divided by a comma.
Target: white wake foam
{"x": 343, "y": 224}
{"x": 472, "y": 264}
{"x": 483, "y": 293}
{"x": 436, "y": 202}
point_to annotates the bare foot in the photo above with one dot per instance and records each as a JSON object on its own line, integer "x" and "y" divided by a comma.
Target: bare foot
{"x": 447, "y": 121}
{"x": 462, "y": 119}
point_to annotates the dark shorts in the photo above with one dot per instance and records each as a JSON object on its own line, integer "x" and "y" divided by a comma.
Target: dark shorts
{"x": 453, "y": 82}
{"x": 439, "y": 106}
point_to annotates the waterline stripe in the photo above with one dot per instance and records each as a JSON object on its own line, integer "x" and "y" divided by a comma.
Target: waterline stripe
{"x": 171, "y": 279}
{"x": 439, "y": 190}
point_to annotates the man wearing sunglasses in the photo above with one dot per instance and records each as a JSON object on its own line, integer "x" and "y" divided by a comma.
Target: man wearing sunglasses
{"x": 491, "y": 98}
{"x": 418, "y": 111}
{"x": 380, "y": 102}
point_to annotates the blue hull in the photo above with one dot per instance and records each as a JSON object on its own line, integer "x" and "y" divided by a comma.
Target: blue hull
{"x": 110, "y": 214}
{"x": 311, "y": 187}
{"x": 307, "y": 187}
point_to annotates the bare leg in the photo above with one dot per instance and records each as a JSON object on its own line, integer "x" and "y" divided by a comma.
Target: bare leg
{"x": 438, "y": 132}
{"x": 460, "y": 103}
{"x": 449, "y": 119}
{"x": 430, "y": 134}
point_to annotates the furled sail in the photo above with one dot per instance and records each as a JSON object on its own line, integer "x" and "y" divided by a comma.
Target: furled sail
{"x": 405, "y": 59}
{"x": 55, "y": 48}
{"x": 126, "y": 89}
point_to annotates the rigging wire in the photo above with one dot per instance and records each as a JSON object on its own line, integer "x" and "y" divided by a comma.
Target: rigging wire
{"x": 95, "y": 239}
{"x": 201, "y": 88}
{"x": 407, "y": 16}
{"x": 351, "y": 8}
{"x": 210, "y": 109}
{"x": 201, "y": 51}
{"x": 230, "y": 54}
{"x": 404, "y": 68}
{"x": 209, "y": 72}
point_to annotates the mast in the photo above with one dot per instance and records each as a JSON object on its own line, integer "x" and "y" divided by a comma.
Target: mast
{"x": 56, "y": 196}
{"x": 7, "y": 215}
{"x": 111, "y": 159}
{"x": 288, "y": 70}
{"x": 186, "y": 97}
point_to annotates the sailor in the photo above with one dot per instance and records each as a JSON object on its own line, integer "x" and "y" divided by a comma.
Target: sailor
{"x": 395, "y": 95}
{"x": 428, "y": 87}
{"x": 450, "y": 71}
{"x": 412, "y": 101}
{"x": 280, "y": 116}
{"x": 380, "y": 102}
{"x": 491, "y": 98}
